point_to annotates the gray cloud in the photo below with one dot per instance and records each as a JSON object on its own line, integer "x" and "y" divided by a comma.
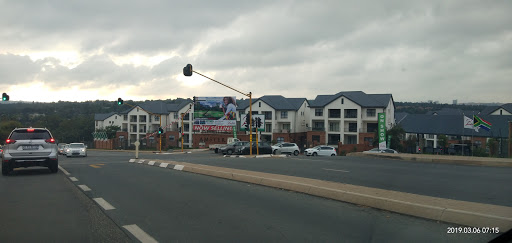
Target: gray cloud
{"x": 415, "y": 50}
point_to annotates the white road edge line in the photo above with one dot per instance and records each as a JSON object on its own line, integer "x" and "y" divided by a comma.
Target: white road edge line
{"x": 336, "y": 170}
{"x": 151, "y": 163}
{"x": 139, "y": 233}
{"x": 73, "y": 178}
{"x": 179, "y": 167}
{"x": 104, "y": 204}
{"x": 164, "y": 165}
{"x": 64, "y": 171}
{"x": 84, "y": 188}
{"x": 131, "y": 160}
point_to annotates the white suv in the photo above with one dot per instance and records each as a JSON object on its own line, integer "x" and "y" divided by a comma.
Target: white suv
{"x": 286, "y": 148}
{"x": 26, "y": 147}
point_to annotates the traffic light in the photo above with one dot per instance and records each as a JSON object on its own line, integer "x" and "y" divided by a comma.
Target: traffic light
{"x": 247, "y": 121}
{"x": 5, "y": 97}
{"x": 160, "y": 130}
{"x": 187, "y": 70}
{"x": 119, "y": 101}
{"x": 258, "y": 122}
{"x": 194, "y": 100}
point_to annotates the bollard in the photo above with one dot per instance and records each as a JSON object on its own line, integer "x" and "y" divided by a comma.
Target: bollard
{"x": 137, "y": 143}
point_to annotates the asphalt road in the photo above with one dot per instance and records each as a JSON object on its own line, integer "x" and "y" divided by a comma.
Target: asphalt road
{"x": 171, "y": 206}
{"x": 480, "y": 184}
{"x": 39, "y": 206}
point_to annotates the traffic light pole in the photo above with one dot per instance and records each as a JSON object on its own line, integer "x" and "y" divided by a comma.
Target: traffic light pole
{"x": 187, "y": 71}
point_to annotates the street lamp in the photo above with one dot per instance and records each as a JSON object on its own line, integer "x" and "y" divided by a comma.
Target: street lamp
{"x": 187, "y": 71}
{"x": 160, "y": 130}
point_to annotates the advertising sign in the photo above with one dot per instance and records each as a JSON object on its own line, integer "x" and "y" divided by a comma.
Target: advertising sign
{"x": 258, "y": 122}
{"x": 382, "y": 130}
{"x": 215, "y": 113}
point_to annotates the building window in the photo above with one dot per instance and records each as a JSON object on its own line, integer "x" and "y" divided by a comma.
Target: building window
{"x": 316, "y": 138}
{"x": 352, "y": 127}
{"x": 319, "y": 112}
{"x": 430, "y": 136}
{"x": 368, "y": 140}
{"x": 350, "y": 113}
{"x": 351, "y": 139}
{"x": 318, "y": 126}
{"x": 176, "y": 115}
{"x": 284, "y": 114}
{"x": 242, "y": 112}
{"x": 342, "y": 101}
{"x": 333, "y": 139}
{"x": 255, "y": 112}
{"x": 268, "y": 115}
{"x": 334, "y": 113}
{"x": 280, "y": 140}
{"x": 125, "y": 117}
{"x": 286, "y": 127}
{"x": 115, "y": 117}
{"x": 371, "y": 113}
{"x": 96, "y": 123}
{"x": 371, "y": 127}
{"x": 259, "y": 104}
{"x": 157, "y": 118}
{"x": 268, "y": 127}
{"x": 334, "y": 126}
{"x": 133, "y": 118}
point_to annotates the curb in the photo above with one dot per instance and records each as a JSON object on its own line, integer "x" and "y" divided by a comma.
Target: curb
{"x": 446, "y": 210}
{"x": 479, "y": 161}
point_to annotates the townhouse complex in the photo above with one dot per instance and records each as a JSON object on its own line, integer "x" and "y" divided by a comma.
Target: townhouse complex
{"x": 346, "y": 117}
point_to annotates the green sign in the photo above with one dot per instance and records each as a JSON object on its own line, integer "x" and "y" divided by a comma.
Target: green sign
{"x": 382, "y": 130}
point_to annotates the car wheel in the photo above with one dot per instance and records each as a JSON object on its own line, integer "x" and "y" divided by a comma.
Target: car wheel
{"x": 216, "y": 151}
{"x": 296, "y": 152}
{"x": 315, "y": 154}
{"x": 5, "y": 168}
{"x": 54, "y": 166}
{"x": 274, "y": 152}
{"x": 333, "y": 155}
{"x": 229, "y": 152}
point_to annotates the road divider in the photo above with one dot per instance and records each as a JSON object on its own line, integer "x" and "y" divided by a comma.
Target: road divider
{"x": 441, "y": 209}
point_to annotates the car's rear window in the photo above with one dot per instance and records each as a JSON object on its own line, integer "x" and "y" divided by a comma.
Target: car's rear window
{"x": 76, "y": 146}
{"x": 26, "y": 135}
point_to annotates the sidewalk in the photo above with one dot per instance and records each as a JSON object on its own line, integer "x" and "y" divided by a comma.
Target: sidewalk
{"x": 447, "y": 210}
{"x": 447, "y": 159}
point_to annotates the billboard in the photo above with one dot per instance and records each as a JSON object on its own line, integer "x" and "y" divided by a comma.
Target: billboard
{"x": 382, "y": 130}
{"x": 215, "y": 113}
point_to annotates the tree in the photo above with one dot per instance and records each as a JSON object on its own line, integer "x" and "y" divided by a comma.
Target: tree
{"x": 6, "y": 128}
{"x": 111, "y": 131}
{"x": 442, "y": 141}
{"x": 397, "y": 136}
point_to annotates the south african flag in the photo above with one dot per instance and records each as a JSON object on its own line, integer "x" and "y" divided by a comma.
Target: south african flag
{"x": 481, "y": 123}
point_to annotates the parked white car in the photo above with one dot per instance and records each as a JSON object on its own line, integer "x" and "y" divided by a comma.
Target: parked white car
{"x": 76, "y": 149}
{"x": 286, "y": 148}
{"x": 321, "y": 150}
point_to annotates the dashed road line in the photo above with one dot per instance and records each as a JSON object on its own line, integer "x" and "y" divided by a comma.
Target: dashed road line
{"x": 104, "y": 204}
{"x": 139, "y": 233}
{"x": 64, "y": 171}
{"x": 84, "y": 188}
{"x": 73, "y": 179}
{"x": 336, "y": 170}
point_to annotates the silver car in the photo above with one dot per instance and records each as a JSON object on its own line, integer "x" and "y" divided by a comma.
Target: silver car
{"x": 26, "y": 147}
{"x": 321, "y": 150}
{"x": 286, "y": 148}
{"x": 76, "y": 149}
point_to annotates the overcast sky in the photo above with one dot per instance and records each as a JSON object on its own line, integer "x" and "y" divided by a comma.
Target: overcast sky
{"x": 415, "y": 50}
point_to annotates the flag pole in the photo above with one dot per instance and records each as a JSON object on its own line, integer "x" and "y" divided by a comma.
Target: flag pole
{"x": 462, "y": 134}
{"x": 472, "y": 134}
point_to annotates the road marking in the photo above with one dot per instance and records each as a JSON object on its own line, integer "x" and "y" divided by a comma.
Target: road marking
{"x": 141, "y": 161}
{"x": 64, "y": 171}
{"x": 336, "y": 170}
{"x": 131, "y": 160}
{"x": 84, "y": 188}
{"x": 179, "y": 167}
{"x": 151, "y": 163}
{"x": 104, "y": 204}
{"x": 164, "y": 165}
{"x": 95, "y": 166}
{"x": 139, "y": 233}
{"x": 73, "y": 178}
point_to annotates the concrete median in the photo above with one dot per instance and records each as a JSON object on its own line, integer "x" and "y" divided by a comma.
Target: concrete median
{"x": 447, "y": 210}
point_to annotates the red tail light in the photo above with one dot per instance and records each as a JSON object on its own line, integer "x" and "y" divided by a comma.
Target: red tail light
{"x": 10, "y": 141}
{"x": 50, "y": 140}
{"x": 30, "y": 129}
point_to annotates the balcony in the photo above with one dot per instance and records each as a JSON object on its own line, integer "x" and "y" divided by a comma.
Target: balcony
{"x": 316, "y": 129}
{"x": 350, "y": 129}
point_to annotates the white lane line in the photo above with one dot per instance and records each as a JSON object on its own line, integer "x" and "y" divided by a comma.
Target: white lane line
{"x": 164, "y": 165}
{"x": 141, "y": 161}
{"x": 131, "y": 160}
{"x": 84, "y": 188}
{"x": 151, "y": 163}
{"x": 179, "y": 167}
{"x": 139, "y": 234}
{"x": 104, "y": 204}
{"x": 336, "y": 170}
{"x": 65, "y": 171}
{"x": 73, "y": 178}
